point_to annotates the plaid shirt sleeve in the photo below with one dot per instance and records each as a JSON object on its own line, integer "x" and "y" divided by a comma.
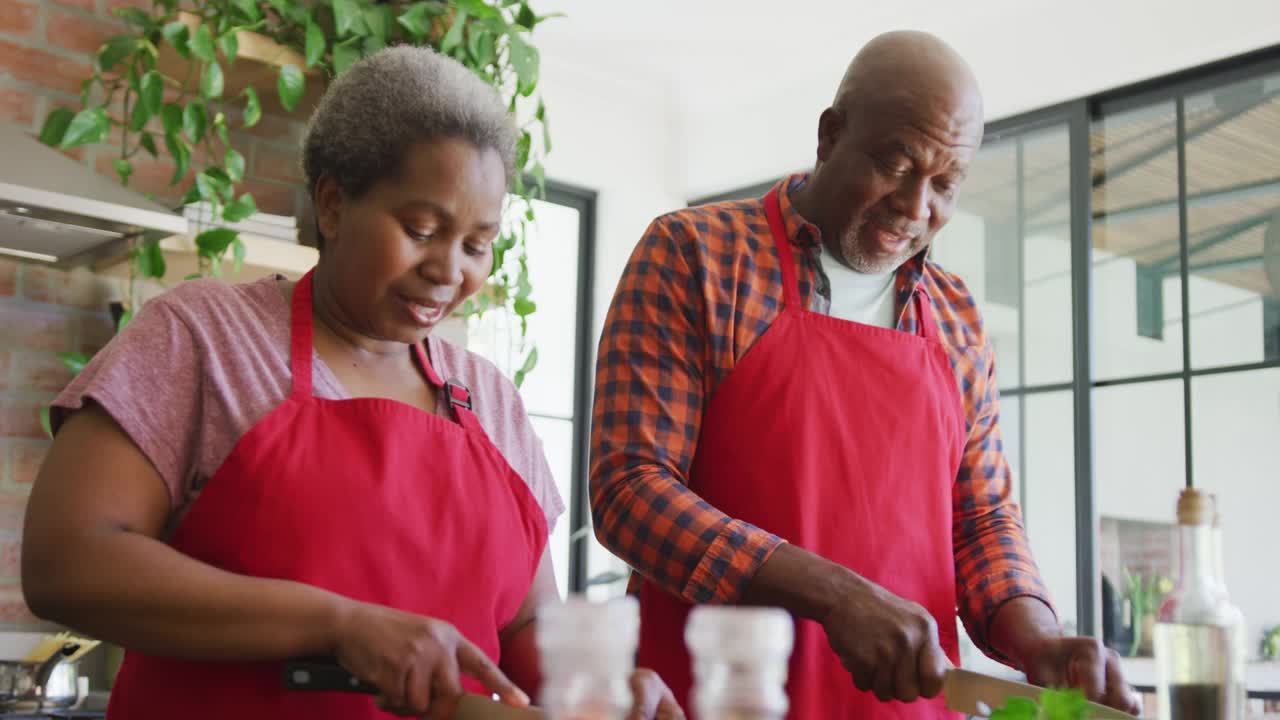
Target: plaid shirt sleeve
{"x": 651, "y": 374}
{"x": 993, "y": 560}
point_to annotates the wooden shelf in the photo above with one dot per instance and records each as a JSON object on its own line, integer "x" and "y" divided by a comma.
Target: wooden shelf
{"x": 263, "y": 257}
{"x": 257, "y": 64}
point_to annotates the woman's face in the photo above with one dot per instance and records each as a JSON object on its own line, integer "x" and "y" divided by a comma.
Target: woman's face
{"x": 406, "y": 253}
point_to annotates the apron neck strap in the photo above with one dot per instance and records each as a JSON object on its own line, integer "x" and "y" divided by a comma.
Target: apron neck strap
{"x": 451, "y": 391}
{"x": 300, "y": 340}
{"x": 926, "y": 326}
{"x": 773, "y": 210}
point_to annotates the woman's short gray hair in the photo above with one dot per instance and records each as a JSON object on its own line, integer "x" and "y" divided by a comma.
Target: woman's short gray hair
{"x": 383, "y": 104}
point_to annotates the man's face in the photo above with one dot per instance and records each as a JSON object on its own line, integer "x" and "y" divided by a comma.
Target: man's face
{"x": 889, "y": 173}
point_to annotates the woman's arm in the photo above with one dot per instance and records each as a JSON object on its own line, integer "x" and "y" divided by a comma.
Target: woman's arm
{"x": 91, "y": 560}
{"x": 519, "y": 638}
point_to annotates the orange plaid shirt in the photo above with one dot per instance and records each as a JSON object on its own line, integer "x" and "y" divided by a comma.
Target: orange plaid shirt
{"x": 701, "y": 287}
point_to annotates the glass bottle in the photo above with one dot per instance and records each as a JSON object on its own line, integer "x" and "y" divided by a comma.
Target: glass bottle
{"x": 740, "y": 657}
{"x": 588, "y": 655}
{"x": 1198, "y": 634}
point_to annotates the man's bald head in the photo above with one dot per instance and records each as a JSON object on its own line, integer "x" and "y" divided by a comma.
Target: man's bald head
{"x": 892, "y": 150}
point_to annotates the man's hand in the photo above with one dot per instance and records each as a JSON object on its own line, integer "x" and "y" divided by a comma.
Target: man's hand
{"x": 889, "y": 645}
{"x": 1026, "y": 631}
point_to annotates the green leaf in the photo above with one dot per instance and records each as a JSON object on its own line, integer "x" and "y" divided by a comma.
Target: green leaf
{"x": 540, "y": 175}
{"x": 73, "y": 361}
{"x": 230, "y": 45}
{"x": 316, "y": 44}
{"x": 523, "y": 146}
{"x": 242, "y": 208}
{"x": 524, "y": 306}
{"x": 290, "y": 84}
{"x": 526, "y": 18}
{"x": 377, "y": 19}
{"x": 249, "y": 9}
{"x": 135, "y": 17}
{"x": 55, "y": 126}
{"x": 202, "y": 44}
{"x": 546, "y": 135}
{"x": 344, "y": 56}
{"x": 88, "y": 126}
{"x": 282, "y": 7}
{"x": 156, "y": 254}
{"x": 115, "y": 50}
{"x": 530, "y": 362}
{"x": 195, "y": 119}
{"x": 220, "y": 126}
{"x": 211, "y": 82}
{"x": 193, "y": 276}
{"x": 372, "y": 44}
{"x": 181, "y": 154}
{"x": 478, "y": 8}
{"x": 152, "y": 92}
{"x": 171, "y": 115}
{"x": 178, "y": 35}
{"x": 123, "y": 168}
{"x": 208, "y": 185}
{"x": 234, "y": 162}
{"x": 485, "y": 52}
{"x": 44, "y": 420}
{"x": 192, "y": 195}
{"x": 417, "y": 20}
{"x": 238, "y": 251}
{"x": 216, "y": 241}
{"x": 148, "y": 143}
{"x": 347, "y": 17}
{"x": 453, "y": 38}
{"x": 126, "y": 317}
{"x": 525, "y": 60}
{"x": 252, "y": 108}
{"x": 1017, "y": 708}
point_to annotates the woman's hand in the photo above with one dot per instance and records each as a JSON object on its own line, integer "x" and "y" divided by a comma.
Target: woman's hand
{"x": 653, "y": 699}
{"x": 415, "y": 661}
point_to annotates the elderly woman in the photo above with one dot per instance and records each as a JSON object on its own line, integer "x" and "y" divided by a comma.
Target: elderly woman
{"x": 258, "y": 472}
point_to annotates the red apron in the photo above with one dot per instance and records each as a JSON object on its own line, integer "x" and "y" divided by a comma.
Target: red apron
{"x": 844, "y": 439}
{"x": 368, "y": 497}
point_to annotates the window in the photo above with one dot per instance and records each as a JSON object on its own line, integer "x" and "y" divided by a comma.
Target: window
{"x": 556, "y": 392}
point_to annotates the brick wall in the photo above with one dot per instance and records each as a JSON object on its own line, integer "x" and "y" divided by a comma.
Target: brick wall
{"x": 46, "y": 50}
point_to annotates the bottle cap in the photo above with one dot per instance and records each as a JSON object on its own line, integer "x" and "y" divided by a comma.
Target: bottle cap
{"x": 750, "y": 633}
{"x": 579, "y": 622}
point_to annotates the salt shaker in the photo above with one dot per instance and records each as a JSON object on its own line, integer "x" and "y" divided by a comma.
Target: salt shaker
{"x": 588, "y": 655}
{"x": 740, "y": 657}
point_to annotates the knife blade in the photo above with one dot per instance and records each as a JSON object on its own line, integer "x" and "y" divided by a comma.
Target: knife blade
{"x": 325, "y": 674}
{"x": 976, "y": 694}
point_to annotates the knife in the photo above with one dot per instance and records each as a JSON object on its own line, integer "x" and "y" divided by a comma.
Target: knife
{"x": 324, "y": 674}
{"x": 977, "y": 695}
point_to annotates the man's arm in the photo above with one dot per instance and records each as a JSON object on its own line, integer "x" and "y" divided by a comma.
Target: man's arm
{"x": 650, "y": 389}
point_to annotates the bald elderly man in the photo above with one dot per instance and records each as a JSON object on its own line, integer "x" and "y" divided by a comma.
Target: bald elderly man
{"x": 795, "y": 407}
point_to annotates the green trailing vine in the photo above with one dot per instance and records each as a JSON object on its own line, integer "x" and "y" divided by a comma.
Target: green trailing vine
{"x": 182, "y": 111}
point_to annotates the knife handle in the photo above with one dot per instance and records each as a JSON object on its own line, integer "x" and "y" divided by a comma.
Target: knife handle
{"x": 323, "y": 674}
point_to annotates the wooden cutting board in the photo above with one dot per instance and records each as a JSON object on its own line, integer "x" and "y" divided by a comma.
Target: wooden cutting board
{"x": 977, "y": 694}
{"x": 479, "y": 707}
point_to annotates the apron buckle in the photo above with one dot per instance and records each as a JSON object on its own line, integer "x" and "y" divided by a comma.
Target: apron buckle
{"x": 457, "y": 394}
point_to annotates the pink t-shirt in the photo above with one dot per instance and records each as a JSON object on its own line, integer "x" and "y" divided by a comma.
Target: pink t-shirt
{"x": 202, "y": 364}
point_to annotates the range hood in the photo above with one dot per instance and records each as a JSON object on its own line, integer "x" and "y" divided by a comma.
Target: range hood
{"x": 58, "y": 211}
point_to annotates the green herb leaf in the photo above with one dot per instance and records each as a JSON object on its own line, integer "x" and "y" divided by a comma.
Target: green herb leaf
{"x": 148, "y": 143}
{"x": 1017, "y": 709}
{"x": 115, "y": 50}
{"x": 344, "y": 56}
{"x": 316, "y": 44}
{"x": 486, "y": 49}
{"x": 178, "y": 35}
{"x": 417, "y": 21}
{"x": 239, "y": 251}
{"x": 453, "y": 38}
{"x": 194, "y": 121}
{"x": 152, "y": 92}
{"x": 171, "y": 115}
{"x": 45, "y": 423}
{"x": 478, "y": 9}
{"x": 181, "y": 154}
{"x": 207, "y": 185}
{"x": 525, "y": 60}
{"x": 123, "y": 169}
{"x": 73, "y": 361}
{"x": 347, "y": 17}
{"x": 216, "y": 241}
{"x": 88, "y": 126}
{"x": 202, "y": 44}
{"x": 526, "y": 18}
{"x": 377, "y": 20}
{"x": 230, "y": 45}
{"x": 241, "y": 209}
{"x": 524, "y": 306}
{"x": 55, "y": 126}
{"x": 234, "y": 162}
{"x": 252, "y": 108}
{"x": 290, "y": 84}
{"x": 212, "y": 81}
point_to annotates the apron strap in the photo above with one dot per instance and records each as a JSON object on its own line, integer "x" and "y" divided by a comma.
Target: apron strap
{"x": 926, "y": 326}
{"x": 773, "y": 210}
{"x": 300, "y": 343}
{"x": 452, "y": 390}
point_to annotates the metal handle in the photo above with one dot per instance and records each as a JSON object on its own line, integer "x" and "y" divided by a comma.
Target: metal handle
{"x": 323, "y": 674}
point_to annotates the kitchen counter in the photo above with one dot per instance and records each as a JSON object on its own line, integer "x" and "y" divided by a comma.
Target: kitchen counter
{"x": 1262, "y": 678}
